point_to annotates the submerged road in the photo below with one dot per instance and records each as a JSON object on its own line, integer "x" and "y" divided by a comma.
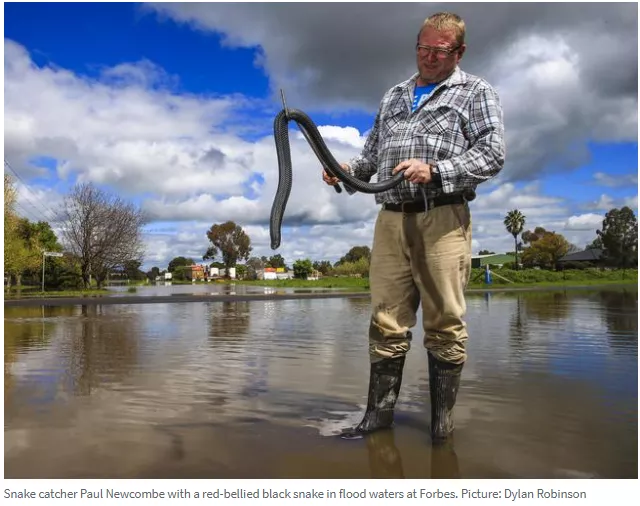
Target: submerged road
{"x": 172, "y": 299}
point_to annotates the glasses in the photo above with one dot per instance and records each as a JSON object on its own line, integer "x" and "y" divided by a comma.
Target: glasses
{"x": 440, "y": 52}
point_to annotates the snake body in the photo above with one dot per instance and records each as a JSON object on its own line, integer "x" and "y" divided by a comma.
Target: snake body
{"x": 311, "y": 133}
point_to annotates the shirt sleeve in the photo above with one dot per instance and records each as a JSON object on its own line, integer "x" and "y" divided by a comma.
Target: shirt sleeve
{"x": 485, "y": 158}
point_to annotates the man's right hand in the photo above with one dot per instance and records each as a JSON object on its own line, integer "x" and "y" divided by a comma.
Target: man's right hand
{"x": 332, "y": 181}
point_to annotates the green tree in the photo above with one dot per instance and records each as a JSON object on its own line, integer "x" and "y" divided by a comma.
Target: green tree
{"x": 514, "y": 222}
{"x": 302, "y": 268}
{"x": 155, "y": 271}
{"x": 355, "y": 254}
{"x": 323, "y": 266}
{"x": 131, "y": 270}
{"x": 241, "y": 271}
{"x": 22, "y": 250}
{"x": 276, "y": 261}
{"x": 358, "y": 268}
{"x": 619, "y": 236}
{"x": 179, "y": 262}
{"x": 529, "y": 237}
{"x": 595, "y": 244}
{"x": 546, "y": 250}
{"x": 230, "y": 241}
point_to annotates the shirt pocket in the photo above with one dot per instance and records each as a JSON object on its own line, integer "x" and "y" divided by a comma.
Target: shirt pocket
{"x": 434, "y": 122}
{"x": 439, "y": 135}
{"x": 393, "y": 122}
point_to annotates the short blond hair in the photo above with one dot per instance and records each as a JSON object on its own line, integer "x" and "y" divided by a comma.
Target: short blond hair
{"x": 444, "y": 22}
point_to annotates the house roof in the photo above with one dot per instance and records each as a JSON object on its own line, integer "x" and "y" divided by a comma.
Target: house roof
{"x": 583, "y": 256}
{"x": 494, "y": 259}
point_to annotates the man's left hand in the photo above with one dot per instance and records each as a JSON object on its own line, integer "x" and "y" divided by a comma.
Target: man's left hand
{"x": 416, "y": 171}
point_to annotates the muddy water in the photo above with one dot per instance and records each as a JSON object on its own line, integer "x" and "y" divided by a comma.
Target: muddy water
{"x": 259, "y": 390}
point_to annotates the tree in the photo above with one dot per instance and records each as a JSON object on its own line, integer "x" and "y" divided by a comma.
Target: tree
{"x": 357, "y": 268}
{"x": 21, "y": 249}
{"x": 355, "y": 254}
{"x": 153, "y": 273}
{"x": 37, "y": 238}
{"x": 619, "y": 237}
{"x": 254, "y": 264}
{"x": 241, "y": 271}
{"x": 102, "y": 230}
{"x": 131, "y": 269}
{"x": 486, "y": 252}
{"x": 595, "y": 244}
{"x": 546, "y": 251}
{"x": 529, "y": 237}
{"x": 230, "y": 241}
{"x": 276, "y": 261}
{"x": 323, "y": 266}
{"x": 514, "y": 222}
{"x": 302, "y": 268}
{"x": 179, "y": 262}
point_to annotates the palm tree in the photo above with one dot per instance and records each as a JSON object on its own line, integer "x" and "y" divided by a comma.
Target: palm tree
{"x": 514, "y": 221}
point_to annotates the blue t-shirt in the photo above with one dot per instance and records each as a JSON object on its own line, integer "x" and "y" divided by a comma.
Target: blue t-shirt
{"x": 421, "y": 94}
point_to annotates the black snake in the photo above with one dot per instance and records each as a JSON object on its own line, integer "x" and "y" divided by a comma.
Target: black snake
{"x": 311, "y": 133}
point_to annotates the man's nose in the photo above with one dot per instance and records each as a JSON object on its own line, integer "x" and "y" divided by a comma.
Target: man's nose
{"x": 432, "y": 57}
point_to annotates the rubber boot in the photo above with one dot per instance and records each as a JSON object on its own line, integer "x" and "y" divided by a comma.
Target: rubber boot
{"x": 384, "y": 387}
{"x": 444, "y": 381}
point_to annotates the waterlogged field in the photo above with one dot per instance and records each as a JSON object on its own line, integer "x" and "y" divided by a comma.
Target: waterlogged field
{"x": 260, "y": 389}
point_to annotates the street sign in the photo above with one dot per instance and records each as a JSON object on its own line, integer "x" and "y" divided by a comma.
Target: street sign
{"x": 52, "y": 254}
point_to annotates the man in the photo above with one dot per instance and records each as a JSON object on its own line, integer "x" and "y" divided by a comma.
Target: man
{"x": 444, "y": 129}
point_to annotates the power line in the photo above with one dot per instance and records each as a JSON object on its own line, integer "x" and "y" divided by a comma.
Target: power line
{"x": 42, "y": 210}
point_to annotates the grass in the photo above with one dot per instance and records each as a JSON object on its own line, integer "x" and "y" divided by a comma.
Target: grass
{"x": 33, "y": 292}
{"x": 528, "y": 278}
{"x": 542, "y": 278}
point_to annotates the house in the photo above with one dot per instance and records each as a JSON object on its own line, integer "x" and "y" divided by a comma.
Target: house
{"x": 593, "y": 255}
{"x": 478, "y": 261}
{"x": 194, "y": 272}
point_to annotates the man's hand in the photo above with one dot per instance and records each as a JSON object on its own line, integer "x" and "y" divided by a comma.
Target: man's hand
{"x": 332, "y": 181}
{"x": 417, "y": 171}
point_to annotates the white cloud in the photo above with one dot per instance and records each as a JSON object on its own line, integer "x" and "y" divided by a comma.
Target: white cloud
{"x": 129, "y": 129}
{"x": 147, "y": 141}
{"x": 588, "y": 221}
{"x": 123, "y": 134}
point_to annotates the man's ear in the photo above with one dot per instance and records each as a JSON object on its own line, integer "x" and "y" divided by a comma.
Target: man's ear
{"x": 461, "y": 51}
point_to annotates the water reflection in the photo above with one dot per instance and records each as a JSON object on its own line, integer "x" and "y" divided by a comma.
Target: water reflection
{"x": 228, "y": 320}
{"x": 105, "y": 349}
{"x": 385, "y": 460}
{"x": 192, "y": 389}
{"x": 620, "y": 313}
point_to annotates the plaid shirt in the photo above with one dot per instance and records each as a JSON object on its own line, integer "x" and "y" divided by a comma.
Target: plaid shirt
{"x": 459, "y": 131}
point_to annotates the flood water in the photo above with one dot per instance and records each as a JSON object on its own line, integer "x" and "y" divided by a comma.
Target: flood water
{"x": 259, "y": 389}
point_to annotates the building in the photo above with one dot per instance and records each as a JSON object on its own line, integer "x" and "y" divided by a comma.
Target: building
{"x": 478, "y": 261}
{"x": 592, "y": 256}
{"x": 194, "y": 272}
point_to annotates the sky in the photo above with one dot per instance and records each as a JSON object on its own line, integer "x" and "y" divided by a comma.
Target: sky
{"x": 171, "y": 106}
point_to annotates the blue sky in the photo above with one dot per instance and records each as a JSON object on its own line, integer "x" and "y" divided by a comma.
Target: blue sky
{"x": 172, "y": 106}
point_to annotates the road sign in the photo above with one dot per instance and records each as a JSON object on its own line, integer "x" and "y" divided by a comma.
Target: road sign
{"x": 52, "y": 254}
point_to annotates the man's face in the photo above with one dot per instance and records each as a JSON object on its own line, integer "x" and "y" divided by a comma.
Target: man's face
{"x": 432, "y": 65}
